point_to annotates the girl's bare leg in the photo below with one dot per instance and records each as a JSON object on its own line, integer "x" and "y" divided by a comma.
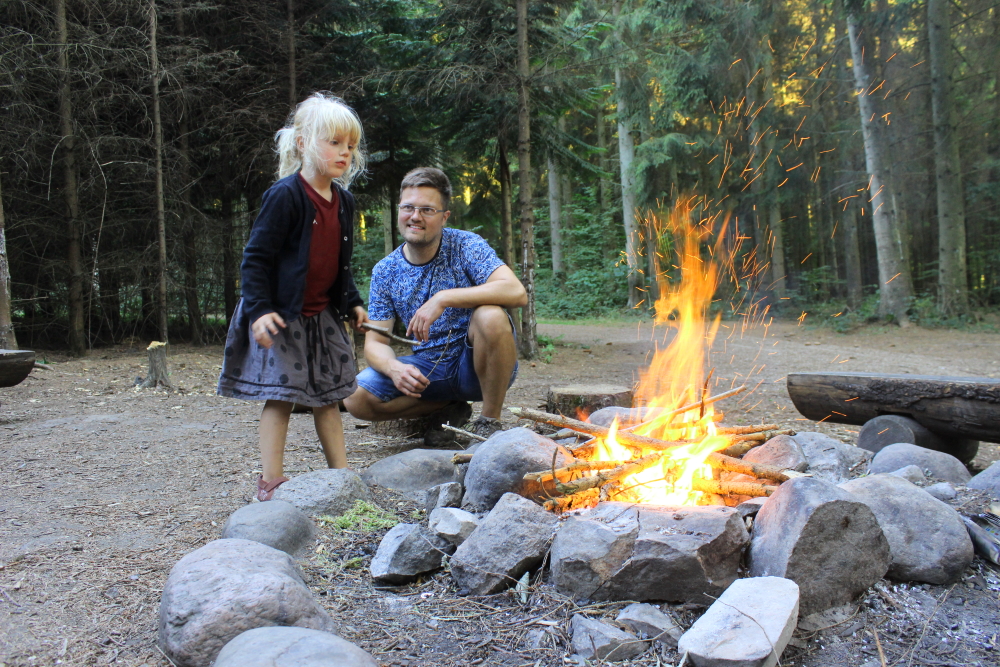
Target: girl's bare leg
{"x": 330, "y": 430}
{"x": 273, "y": 431}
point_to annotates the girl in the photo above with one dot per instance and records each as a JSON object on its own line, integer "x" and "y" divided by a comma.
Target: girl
{"x": 286, "y": 343}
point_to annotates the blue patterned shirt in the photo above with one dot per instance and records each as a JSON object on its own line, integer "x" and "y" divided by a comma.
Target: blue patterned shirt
{"x": 399, "y": 288}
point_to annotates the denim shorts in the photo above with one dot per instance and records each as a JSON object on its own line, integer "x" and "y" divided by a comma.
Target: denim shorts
{"x": 453, "y": 379}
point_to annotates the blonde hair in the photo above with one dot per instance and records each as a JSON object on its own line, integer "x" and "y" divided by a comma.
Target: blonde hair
{"x": 319, "y": 117}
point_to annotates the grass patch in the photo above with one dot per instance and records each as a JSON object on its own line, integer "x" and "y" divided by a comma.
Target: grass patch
{"x": 362, "y": 517}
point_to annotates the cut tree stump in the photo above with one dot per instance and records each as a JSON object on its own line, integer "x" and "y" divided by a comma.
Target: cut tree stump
{"x": 887, "y": 430}
{"x": 15, "y": 366}
{"x": 158, "y": 375}
{"x": 950, "y": 407}
{"x": 571, "y": 400}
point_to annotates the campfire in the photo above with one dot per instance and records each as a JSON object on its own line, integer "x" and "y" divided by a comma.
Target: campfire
{"x": 678, "y": 453}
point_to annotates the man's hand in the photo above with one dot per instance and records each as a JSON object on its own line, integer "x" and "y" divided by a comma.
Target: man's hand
{"x": 408, "y": 379}
{"x": 265, "y": 327}
{"x": 420, "y": 325}
{"x": 358, "y": 317}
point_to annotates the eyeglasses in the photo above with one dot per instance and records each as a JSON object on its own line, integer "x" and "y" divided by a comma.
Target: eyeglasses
{"x": 425, "y": 211}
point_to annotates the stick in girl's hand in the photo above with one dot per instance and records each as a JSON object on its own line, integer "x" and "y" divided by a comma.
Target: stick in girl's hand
{"x": 386, "y": 332}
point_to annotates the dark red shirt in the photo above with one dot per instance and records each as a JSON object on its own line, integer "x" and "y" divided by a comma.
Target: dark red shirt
{"x": 324, "y": 251}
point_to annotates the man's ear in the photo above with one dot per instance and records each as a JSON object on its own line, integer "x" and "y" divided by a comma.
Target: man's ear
{"x": 447, "y": 214}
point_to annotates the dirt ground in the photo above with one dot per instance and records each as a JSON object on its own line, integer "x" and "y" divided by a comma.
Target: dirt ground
{"x": 106, "y": 486}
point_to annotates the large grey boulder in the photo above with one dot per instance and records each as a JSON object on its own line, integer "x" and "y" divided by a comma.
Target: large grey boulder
{"x": 511, "y": 540}
{"x": 820, "y": 537}
{"x": 748, "y": 626}
{"x": 412, "y": 472}
{"x": 650, "y": 623}
{"x": 225, "y": 588}
{"x": 938, "y": 465}
{"x": 499, "y": 466}
{"x": 829, "y": 459}
{"x": 619, "y": 551}
{"x": 282, "y": 646}
{"x": 988, "y": 480}
{"x": 275, "y": 523}
{"x": 884, "y": 430}
{"x": 452, "y": 524}
{"x": 600, "y": 641}
{"x": 927, "y": 540}
{"x": 406, "y": 552}
{"x": 781, "y": 451}
{"x": 324, "y": 492}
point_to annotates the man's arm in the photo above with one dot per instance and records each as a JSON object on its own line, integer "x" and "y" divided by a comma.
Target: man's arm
{"x": 380, "y": 356}
{"x": 502, "y": 288}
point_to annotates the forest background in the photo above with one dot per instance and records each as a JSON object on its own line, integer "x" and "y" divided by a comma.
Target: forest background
{"x": 845, "y": 154}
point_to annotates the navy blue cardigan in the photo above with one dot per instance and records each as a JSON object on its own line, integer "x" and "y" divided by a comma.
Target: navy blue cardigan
{"x": 276, "y": 259}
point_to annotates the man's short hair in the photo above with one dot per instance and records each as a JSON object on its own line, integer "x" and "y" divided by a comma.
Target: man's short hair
{"x": 429, "y": 177}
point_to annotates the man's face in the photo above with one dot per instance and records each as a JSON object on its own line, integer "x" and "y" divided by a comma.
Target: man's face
{"x": 419, "y": 229}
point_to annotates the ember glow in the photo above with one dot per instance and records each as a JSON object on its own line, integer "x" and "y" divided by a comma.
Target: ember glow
{"x": 677, "y": 377}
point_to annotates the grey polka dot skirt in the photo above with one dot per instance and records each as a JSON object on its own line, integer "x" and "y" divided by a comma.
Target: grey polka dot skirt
{"x": 310, "y": 363}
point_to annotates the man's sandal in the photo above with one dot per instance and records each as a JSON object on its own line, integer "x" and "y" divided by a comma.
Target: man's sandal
{"x": 266, "y": 489}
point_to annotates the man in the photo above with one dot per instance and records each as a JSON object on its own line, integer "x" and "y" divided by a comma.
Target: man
{"x": 451, "y": 289}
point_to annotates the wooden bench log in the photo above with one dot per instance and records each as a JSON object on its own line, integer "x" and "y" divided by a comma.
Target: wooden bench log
{"x": 886, "y": 430}
{"x": 957, "y": 407}
{"x": 15, "y": 365}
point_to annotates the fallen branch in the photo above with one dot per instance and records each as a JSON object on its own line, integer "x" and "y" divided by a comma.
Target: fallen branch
{"x": 462, "y": 431}
{"x": 742, "y": 430}
{"x": 576, "y": 466}
{"x": 460, "y": 458}
{"x": 754, "y": 489}
{"x": 624, "y": 470}
{"x": 723, "y": 462}
{"x": 389, "y": 334}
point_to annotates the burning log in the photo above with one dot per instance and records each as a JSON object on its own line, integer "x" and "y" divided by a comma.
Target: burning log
{"x": 629, "y": 439}
{"x": 616, "y": 473}
{"x": 691, "y": 406}
{"x": 576, "y": 466}
{"x": 730, "y": 464}
{"x": 745, "y": 430}
{"x": 754, "y": 489}
{"x": 587, "y": 498}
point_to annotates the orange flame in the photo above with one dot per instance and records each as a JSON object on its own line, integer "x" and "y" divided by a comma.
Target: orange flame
{"x": 676, "y": 376}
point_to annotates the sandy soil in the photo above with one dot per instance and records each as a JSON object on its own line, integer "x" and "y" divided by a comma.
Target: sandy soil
{"x": 107, "y": 486}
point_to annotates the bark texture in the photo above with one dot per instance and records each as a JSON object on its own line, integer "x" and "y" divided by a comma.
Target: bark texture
{"x": 626, "y": 155}
{"x": 555, "y": 215}
{"x": 161, "y": 223}
{"x": 528, "y": 340}
{"x": 8, "y": 341}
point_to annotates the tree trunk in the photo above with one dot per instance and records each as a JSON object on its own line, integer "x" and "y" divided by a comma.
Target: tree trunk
{"x": 229, "y": 266}
{"x": 528, "y": 339}
{"x": 387, "y": 236}
{"x": 506, "y": 216}
{"x": 896, "y": 285}
{"x": 626, "y": 155}
{"x": 555, "y": 215}
{"x": 74, "y": 261}
{"x": 190, "y": 233}
{"x": 161, "y": 227}
{"x": 852, "y": 259}
{"x": 292, "y": 99}
{"x": 777, "y": 248}
{"x": 953, "y": 288}
{"x": 8, "y": 341}
{"x": 604, "y": 194}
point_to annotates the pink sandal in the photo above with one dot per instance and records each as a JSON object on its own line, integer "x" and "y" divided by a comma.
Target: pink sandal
{"x": 266, "y": 489}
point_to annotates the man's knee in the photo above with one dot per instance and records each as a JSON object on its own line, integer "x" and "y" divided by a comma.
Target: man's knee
{"x": 491, "y": 321}
{"x": 360, "y": 404}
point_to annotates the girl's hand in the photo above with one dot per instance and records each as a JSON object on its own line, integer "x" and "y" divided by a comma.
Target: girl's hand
{"x": 358, "y": 317}
{"x": 265, "y": 327}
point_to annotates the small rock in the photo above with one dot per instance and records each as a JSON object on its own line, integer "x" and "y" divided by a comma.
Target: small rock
{"x": 280, "y": 646}
{"x": 275, "y": 523}
{"x": 749, "y": 625}
{"x": 324, "y": 492}
{"x": 595, "y": 640}
{"x": 448, "y": 494}
{"x": 540, "y": 638}
{"x": 829, "y": 459}
{"x": 827, "y": 618}
{"x": 927, "y": 539}
{"x": 412, "y": 472}
{"x": 406, "y": 552}
{"x": 988, "y": 480}
{"x": 452, "y": 524}
{"x": 942, "y": 491}
{"x": 225, "y": 588}
{"x": 820, "y": 537}
{"x": 511, "y": 540}
{"x": 910, "y": 473}
{"x": 781, "y": 451}
{"x": 937, "y": 465}
{"x": 499, "y": 466}
{"x": 618, "y": 551}
{"x": 649, "y": 622}
{"x": 751, "y": 507}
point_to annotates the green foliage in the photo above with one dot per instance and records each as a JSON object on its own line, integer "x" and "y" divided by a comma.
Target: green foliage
{"x": 363, "y": 517}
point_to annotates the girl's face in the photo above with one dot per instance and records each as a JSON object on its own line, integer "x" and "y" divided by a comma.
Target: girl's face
{"x": 334, "y": 156}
